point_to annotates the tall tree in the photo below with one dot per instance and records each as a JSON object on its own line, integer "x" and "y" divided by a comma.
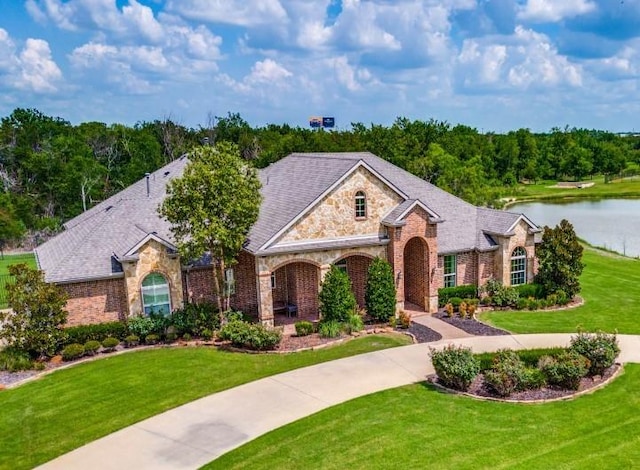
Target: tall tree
{"x": 560, "y": 258}
{"x": 211, "y": 209}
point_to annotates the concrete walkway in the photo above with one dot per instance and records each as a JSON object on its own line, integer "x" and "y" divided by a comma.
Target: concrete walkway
{"x": 191, "y": 435}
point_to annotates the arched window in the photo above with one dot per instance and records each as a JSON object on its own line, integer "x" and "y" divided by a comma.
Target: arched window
{"x": 518, "y": 266}
{"x": 155, "y": 294}
{"x": 361, "y": 205}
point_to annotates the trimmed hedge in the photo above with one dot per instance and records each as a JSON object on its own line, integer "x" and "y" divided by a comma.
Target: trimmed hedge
{"x": 72, "y": 351}
{"x": 96, "y": 332}
{"x": 445, "y": 294}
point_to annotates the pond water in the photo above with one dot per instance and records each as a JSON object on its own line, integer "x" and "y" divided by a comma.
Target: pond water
{"x": 609, "y": 223}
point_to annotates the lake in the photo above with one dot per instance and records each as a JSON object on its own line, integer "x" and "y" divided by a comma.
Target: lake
{"x": 609, "y": 223}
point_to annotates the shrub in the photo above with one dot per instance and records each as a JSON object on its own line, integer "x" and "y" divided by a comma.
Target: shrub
{"x": 96, "y": 332}
{"x": 152, "y": 339}
{"x": 455, "y": 301}
{"x": 565, "y": 370}
{"x": 336, "y": 298}
{"x": 456, "y": 367}
{"x": 186, "y": 337}
{"x": 14, "y": 360}
{"x": 131, "y": 341}
{"x": 471, "y": 310}
{"x": 141, "y": 326}
{"x": 462, "y": 309}
{"x": 535, "y": 291}
{"x": 194, "y": 318}
{"x": 448, "y": 309}
{"x": 463, "y": 292}
{"x": 91, "y": 347}
{"x": 522, "y": 303}
{"x": 330, "y": 329}
{"x": 380, "y": 293}
{"x": 404, "y": 319}
{"x": 72, "y": 351}
{"x": 600, "y": 349}
{"x": 304, "y": 328}
{"x": 234, "y": 315}
{"x": 109, "y": 344}
{"x": 35, "y": 322}
{"x": 171, "y": 336}
{"x": 243, "y": 334}
{"x": 507, "y": 374}
{"x": 354, "y": 323}
{"x": 532, "y": 379}
{"x": 206, "y": 334}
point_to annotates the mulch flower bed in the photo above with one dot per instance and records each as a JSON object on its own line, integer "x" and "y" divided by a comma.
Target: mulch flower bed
{"x": 478, "y": 388}
{"x": 470, "y": 325}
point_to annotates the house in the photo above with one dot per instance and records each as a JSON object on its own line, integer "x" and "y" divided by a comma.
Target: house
{"x": 118, "y": 259}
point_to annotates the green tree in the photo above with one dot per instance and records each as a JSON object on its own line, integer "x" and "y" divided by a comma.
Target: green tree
{"x": 36, "y": 322}
{"x": 560, "y": 260}
{"x": 380, "y": 294}
{"x": 211, "y": 209}
{"x": 336, "y": 298}
{"x": 11, "y": 228}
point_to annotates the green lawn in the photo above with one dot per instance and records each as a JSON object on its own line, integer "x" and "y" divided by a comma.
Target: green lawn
{"x": 6, "y": 261}
{"x": 544, "y": 190}
{"x": 612, "y": 298}
{"x": 419, "y": 427}
{"x": 64, "y": 410}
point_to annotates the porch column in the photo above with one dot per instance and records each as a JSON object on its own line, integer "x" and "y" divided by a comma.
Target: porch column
{"x": 265, "y": 297}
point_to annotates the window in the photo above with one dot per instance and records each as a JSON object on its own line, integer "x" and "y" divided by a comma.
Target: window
{"x": 229, "y": 282}
{"x": 342, "y": 265}
{"x": 450, "y": 263}
{"x": 155, "y": 294}
{"x": 518, "y": 266}
{"x": 361, "y": 205}
{"x": 273, "y": 280}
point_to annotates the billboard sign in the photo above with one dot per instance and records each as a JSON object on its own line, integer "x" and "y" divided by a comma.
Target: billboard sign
{"x": 315, "y": 121}
{"x": 328, "y": 122}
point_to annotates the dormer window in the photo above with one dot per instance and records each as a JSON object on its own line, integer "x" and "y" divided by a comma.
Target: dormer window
{"x": 361, "y": 205}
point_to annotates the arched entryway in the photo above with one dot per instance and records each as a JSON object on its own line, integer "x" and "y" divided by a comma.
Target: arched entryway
{"x": 416, "y": 269}
{"x": 295, "y": 284}
{"x": 357, "y": 268}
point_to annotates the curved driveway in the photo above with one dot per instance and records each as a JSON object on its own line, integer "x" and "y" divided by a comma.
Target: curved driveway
{"x": 191, "y": 435}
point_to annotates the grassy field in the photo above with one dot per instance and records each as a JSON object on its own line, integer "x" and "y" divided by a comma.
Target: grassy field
{"x": 610, "y": 289}
{"x": 71, "y": 407}
{"x": 27, "y": 258}
{"x": 545, "y": 190}
{"x": 419, "y": 427}
{"x": 6, "y": 261}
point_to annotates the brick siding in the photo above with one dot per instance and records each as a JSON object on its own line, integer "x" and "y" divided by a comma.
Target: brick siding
{"x": 357, "y": 269}
{"x": 96, "y": 301}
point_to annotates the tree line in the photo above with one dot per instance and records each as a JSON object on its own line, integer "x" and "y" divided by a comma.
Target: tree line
{"x": 51, "y": 170}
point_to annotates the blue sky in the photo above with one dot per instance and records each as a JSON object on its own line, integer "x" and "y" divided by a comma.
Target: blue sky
{"x": 492, "y": 64}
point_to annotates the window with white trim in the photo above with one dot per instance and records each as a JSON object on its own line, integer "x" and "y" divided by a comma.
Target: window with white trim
{"x": 361, "y": 205}
{"x": 155, "y": 294}
{"x": 450, "y": 270}
{"x": 518, "y": 266}
{"x": 229, "y": 282}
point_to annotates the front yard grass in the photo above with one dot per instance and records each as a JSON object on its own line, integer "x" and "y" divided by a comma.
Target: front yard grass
{"x": 71, "y": 407}
{"x": 7, "y": 260}
{"x": 610, "y": 289}
{"x": 418, "y": 426}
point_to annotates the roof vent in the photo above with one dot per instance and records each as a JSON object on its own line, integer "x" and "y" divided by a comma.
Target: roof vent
{"x": 146, "y": 175}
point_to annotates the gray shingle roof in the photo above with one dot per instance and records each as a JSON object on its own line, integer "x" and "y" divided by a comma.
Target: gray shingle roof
{"x": 94, "y": 241}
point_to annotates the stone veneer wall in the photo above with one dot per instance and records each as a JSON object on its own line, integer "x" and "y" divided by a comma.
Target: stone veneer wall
{"x": 335, "y": 217}
{"x": 152, "y": 257}
{"x": 95, "y": 301}
{"x": 417, "y": 225}
{"x": 522, "y": 238}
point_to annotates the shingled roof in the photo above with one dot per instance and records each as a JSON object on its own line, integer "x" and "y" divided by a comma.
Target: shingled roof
{"x": 93, "y": 243}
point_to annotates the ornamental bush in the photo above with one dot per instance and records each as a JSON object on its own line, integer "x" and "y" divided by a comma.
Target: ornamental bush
{"x": 256, "y": 336}
{"x": 380, "y": 293}
{"x": 304, "y": 328}
{"x": 110, "y": 344}
{"x": 601, "y": 349}
{"x": 501, "y": 296}
{"x": 131, "y": 341}
{"x": 566, "y": 370}
{"x": 456, "y": 367}
{"x": 464, "y": 292}
{"x": 96, "y": 332}
{"x": 14, "y": 360}
{"x": 91, "y": 347}
{"x": 330, "y": 329}
{"x": 194, "y": 318}
{"x": 508, "y": 373}
{"x": 354, "y": 322}
{"x": 336, "y": 298}
{"x": 72, "y": 351}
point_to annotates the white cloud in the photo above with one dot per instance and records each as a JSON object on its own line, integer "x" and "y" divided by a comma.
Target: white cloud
{"x": 523, "y": 60}
{"x": 554, "y": 10}
{"x": 235, "y": 12}
{"x": 268, "y": 71}
{"x": 31, "y": 69}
